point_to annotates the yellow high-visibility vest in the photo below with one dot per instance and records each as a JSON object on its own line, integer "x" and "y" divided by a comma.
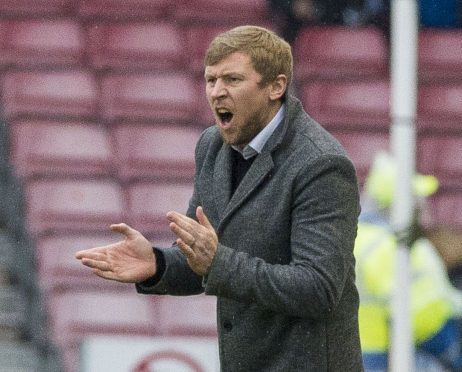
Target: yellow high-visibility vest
{"x": 431, "y": 291}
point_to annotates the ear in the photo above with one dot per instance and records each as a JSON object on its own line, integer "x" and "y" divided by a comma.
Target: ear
{"x": 278, "y": 87}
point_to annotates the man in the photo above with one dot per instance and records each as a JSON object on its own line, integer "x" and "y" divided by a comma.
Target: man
{"x": 271, "y": 224}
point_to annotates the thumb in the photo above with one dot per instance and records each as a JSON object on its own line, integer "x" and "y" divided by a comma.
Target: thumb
{"x": 124, "y": 229}
{"x": 202, "y": 218}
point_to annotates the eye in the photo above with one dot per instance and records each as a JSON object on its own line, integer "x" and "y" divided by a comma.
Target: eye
{"x": 233, "y": 79}
{"x": 210, "y": 80}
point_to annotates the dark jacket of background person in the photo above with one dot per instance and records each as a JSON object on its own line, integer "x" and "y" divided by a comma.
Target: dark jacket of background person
{"x": 284, "y": 269}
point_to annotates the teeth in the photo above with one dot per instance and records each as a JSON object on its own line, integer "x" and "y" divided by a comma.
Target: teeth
{"x": 222, "y": 111}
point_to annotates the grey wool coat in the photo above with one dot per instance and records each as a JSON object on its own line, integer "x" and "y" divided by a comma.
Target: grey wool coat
{"x": 284, "y": 270}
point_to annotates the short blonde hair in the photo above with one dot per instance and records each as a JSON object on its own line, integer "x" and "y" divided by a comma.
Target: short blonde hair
{"x": 270, "y": 54}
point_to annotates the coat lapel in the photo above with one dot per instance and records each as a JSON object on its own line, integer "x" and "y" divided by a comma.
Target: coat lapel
{"x": 257, "y": 173}
{"x": 222, "y": 179}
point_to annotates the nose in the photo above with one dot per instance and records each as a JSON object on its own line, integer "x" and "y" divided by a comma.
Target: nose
{"x": 218, "y": 90}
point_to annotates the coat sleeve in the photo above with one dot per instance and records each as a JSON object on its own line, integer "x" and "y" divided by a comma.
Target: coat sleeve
{"x": 324, "y": 216}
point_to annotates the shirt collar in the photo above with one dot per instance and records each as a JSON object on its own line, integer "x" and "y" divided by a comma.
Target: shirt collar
{"x": 258, "y": 142}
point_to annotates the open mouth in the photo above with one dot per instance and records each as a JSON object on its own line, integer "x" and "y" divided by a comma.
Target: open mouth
{"x": 225, "y": 116}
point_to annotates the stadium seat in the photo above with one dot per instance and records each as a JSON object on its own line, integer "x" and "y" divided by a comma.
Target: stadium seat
{"x": 46, "y": 148}
{"x": 440, "y": 55}
{"x": 60, "y": 271}
{"x": 50, "y": 94}
{"x": 189, "y": 316}
{"x": 137, "y": 46}
{"x": 231, "y": 12}
{"x": 38, "y": 43}
{"x": 362, "y": 147}
{"x": 442, "y": 157}
{"x": 355, "y": 104}
{"x": 124, "y": 9}
{"x": 73, "y": 205}
{"x": 155, "y": 151}
{"x": 35, "y": 8}
{"x": 150, "y": 201}
{"x": 336, "y": 52}
{"x": 76, "y": 314}
{"x": 155, "y": 97}
{"x": 440, "y": 108}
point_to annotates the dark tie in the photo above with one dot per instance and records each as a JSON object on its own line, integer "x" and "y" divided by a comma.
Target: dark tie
{"x": 240, "y": 168}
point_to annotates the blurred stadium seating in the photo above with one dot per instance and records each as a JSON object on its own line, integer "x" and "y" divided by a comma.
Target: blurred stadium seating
{"x": 154, "y": 96}
{"x": 45, "y": 149}
{"x": 127, "y": 10}
{"x": 36, "y": 8}
{"x": 360, "y": 104}
{"x": 56, "y": 94}
{"x": 137, "y": 46}
{"x": 334, "y": 52}
{"x": 148, "y": 203}
{"x": 160, "y": 151}
{"x": 41, "y": 43}
{"x": 56, "y": 205}
{"x": 440, "y": 55}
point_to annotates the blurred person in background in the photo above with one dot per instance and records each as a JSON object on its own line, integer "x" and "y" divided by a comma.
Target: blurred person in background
{"x": 290, "y": 16}
{"x": 436, "y": 306}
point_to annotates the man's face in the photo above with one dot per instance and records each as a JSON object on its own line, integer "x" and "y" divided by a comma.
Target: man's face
{"x": 241, "y": 107}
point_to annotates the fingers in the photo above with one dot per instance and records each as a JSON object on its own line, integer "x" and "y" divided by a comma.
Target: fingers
{"x": 190, "y": 224}
{"x": 186, "y": 249}
{"x": 184, "y": 235}
{"x": 93, "y": 253}
{"x": 202, "y": 218}
{"x": 124, "y": 229}
{"x": 96, "y": 265}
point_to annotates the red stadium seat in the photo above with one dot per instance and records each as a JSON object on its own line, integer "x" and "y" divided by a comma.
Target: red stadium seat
{"x": 440, "y": 55}
{"x": 359, "y": 104}
{"x": 73, "y": 205}
{"x": 37, "y": 43}
{"x": 58, "y": 268}
{"x": 440, "y": 108}
{"x": 156, "y": 97}
{"x": 156, "y": 151}
{"x": 339, "y": 52}
{"x": 442, "y": 157}
{"x": 124, "y": 9}
{"x": 76, "y": 314}
{"x": 190, "y": 316}
{"x": 20, "y": 8}
{"x": 149, "y": 202}
{"x": 134, "y": 46}
{"x": 50, "y": 94}
{"x": 362, "y": 147}
{"x": 231, "y": 12}
{"x": 44, "y": 148}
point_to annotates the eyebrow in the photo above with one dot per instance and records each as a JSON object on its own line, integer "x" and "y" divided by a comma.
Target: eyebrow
{"x": 226, "y": 74}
